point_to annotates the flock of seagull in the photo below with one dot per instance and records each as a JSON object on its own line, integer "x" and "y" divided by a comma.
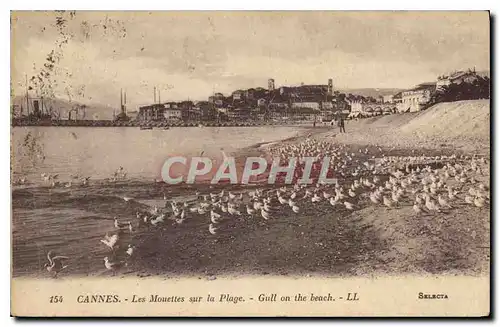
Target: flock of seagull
{"x": 432, "y": 185}
{"x": 53, "y": 181}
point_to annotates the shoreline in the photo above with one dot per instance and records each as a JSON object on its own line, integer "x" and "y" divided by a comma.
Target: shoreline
{"x": 380, "y": 237}
{"x": 155, "y": 124}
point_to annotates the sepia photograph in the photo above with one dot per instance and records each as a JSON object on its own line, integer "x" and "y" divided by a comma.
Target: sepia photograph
{"x": 269, "y": 162}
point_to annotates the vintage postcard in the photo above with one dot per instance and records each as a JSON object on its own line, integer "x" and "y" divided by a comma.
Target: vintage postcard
{"x": 239, "y": 163}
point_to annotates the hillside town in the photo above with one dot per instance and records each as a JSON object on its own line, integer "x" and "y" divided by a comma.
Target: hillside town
{"x": 316, "y": 103}
{"x": 277, "y": 104}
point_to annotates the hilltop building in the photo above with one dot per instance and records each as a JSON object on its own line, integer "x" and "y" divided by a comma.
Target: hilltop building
{"x": 243, "y": 103}
{"x": 457, "y": 77}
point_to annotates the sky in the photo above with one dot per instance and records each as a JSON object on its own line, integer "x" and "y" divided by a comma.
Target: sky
{"x": 189, "y": 55}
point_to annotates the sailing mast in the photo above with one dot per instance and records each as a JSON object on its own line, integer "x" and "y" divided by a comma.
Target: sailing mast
{"x": 27, "y": 97}
{"x": 125, "y": 102}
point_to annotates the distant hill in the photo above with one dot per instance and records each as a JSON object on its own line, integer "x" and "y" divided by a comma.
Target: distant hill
{"x": 371, "y": 92}
{"x": 92, "y": 111}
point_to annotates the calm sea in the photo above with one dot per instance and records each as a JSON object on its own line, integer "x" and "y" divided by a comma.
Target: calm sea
{"x": 72, "y": 220}
{"x": 99, "y": 152}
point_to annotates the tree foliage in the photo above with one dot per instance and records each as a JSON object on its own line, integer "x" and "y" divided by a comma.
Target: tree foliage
{"x": 477, "y": 89}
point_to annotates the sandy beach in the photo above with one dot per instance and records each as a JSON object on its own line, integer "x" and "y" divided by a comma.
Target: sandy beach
{"x": 371, "y": 240}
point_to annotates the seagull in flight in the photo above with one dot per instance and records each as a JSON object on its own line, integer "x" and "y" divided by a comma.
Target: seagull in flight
{"x": 55, "y": 263}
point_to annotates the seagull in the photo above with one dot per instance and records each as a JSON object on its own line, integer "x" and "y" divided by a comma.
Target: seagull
{"x": 482, "y": 187}
{"x": 417, "y": 209}
{"x": 212, "y": 229}
{"x": 157, "y": 220}
{"x": 110, "y": 241}
{"x": 121, "y": 225}
{"x": 127, "y": 199}
{"x": 265, "y": 214}
{"x": 215, "y": 217}
{"x": 374, "y": 198}
{"x": 388, "y": 202}
{"x": 130, "y": 250}
{"x": 282, "y": 200}
{"x": 112, "y": 265}
{"x": 431, "y": 204}
{"x": 315, "y": 198}
{"x": 231, "y": 210}
{"x": 348, "y": 205}
{"x": 479, "y": 202}
{"x": 352, "y": 194}
{"x": 55, "y": 264}
{"x": 443, "y": 203}
{"x": 250, "y": 211}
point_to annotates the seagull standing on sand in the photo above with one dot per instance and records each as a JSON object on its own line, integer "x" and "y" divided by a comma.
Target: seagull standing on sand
{"x": 416, "y": 207}
{"x": 121, "y": 225}
{"x": 212, "y": 229}
{"x": 265, "y": 214}
{"x": 215, "y": 218}
{"x": 250, "y": 211}
{"x": 348, "y": 205}
{"x": 113, "y": 266}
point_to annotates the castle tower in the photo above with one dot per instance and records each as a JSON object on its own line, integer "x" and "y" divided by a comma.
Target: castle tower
{"x": 330, "y": 86}
{"x": 270, "y": 84}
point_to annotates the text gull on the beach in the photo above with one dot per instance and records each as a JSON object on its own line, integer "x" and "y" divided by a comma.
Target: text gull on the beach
{"x": 306, "y": 170}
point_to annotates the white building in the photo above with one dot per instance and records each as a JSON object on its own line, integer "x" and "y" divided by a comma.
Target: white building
{"x": 312, "y": 105}
{"x": 388, "y": 98}
{"x": 172, "y": 113}
{"x": 356, "y": 106}
{"x": 413, "y": 100}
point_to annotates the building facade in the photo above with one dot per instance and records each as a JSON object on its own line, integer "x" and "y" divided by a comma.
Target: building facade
{"x": 310, "y": 105}
{"x": 172, "y": 114}
{"x": 388, "y": 98}
{"x": 415, "y": 99}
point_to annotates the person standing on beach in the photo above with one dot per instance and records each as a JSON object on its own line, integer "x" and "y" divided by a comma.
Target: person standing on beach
{"x": 341, "y": 124}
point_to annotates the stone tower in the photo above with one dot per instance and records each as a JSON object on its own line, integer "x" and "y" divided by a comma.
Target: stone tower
{"x": 270, "y": 84}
